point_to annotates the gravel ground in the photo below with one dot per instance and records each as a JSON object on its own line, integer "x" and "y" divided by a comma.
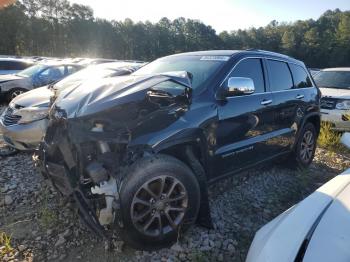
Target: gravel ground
{"x": 45, "y": 227}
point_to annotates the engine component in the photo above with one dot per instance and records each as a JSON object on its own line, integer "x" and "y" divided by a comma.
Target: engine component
{"x": 103, "y": 146}
{"x": 97, "y": 172}
{"x": 110, "y": 190}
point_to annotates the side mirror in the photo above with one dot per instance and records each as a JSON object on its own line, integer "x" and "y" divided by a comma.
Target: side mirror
{"x": 237, "y": 86}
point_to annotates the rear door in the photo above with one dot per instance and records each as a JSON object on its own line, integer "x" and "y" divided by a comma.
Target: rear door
{"x": 289, "y": 100}
{"x": 245, "y": 122}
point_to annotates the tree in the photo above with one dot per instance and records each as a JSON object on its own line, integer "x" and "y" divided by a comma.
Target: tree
{"x": 58, "y": 28}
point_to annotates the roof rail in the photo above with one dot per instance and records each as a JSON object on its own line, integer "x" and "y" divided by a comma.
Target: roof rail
{"x": 267, "y": 52}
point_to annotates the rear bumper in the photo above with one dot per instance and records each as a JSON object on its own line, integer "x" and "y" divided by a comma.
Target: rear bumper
{"x": 24, "y": 136}
{"x": 337, "y": 117}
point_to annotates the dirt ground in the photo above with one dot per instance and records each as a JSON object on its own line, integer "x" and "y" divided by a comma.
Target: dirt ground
{"x": 45, "y": 227}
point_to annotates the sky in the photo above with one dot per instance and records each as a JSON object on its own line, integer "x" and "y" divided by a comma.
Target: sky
{"x": 220, "y": 14}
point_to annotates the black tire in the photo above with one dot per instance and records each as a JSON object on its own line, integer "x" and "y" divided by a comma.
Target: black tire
{"x": 300, "y": 158}
{"x": 14, "y": 92}
{"x": 152, "y": 171}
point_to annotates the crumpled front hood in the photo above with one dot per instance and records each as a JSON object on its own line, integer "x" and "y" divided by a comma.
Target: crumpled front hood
{"x": 335, "y": 92}
{"x": 94, "y": 97}
{"x": 6, "y": 78}
{"x": 39, "y": 97}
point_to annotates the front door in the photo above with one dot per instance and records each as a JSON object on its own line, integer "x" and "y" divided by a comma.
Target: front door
{"x": 245, "y": 122}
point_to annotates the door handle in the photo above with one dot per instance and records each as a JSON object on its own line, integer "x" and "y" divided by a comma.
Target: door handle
{"x": 299, "y": 96}
{"x": 266, "y": 102}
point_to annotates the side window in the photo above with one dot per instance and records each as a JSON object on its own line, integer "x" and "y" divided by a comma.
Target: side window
{"x": 12, "y": 65}
{"x": 53, "y": 73}
{"x": 22, "y": 66}
{"x": 301, "y": 78}
{"x": 279, "y": 76}
{"x": 71, "y": 70}
{"x": 251, "y": 68}
{"x": 2, "y": 65}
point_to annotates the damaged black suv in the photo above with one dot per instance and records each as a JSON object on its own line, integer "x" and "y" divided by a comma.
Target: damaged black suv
{"x": 136, "y": 153}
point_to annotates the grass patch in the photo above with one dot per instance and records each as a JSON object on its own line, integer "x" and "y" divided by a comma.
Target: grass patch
{"x": 48, "y": 216}
{"x": 199, "y": 256}
{"x": 330, "y": 140}
{"x": 5, "y": 245}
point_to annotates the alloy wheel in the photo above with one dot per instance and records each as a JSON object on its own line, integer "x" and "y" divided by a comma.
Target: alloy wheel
{"x": 307, "y": 146}
{"x": 159, "y": 206}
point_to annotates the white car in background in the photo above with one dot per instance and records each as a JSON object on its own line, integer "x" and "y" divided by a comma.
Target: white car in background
{"x": 14, "y": 65}
{"x": 334, "y": 84}
{"x": 315, "y": 230}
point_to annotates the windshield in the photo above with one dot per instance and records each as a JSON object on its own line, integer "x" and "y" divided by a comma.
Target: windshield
{"x": 333, "y": 79}
{"x": 30, "y": 71}
{"x": 89, "y": 73}
{"x": 201, "y": 67}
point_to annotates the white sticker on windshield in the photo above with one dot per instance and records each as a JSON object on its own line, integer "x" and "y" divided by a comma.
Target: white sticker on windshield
{"x": 215, "y": 58}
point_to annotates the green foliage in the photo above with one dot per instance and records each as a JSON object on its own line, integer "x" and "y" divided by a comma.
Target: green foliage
{"x": 48, "y": 216}
{"x": 58, "y": 28}
{"x": 329, "y": 139}
{"x": 5, "y": 245}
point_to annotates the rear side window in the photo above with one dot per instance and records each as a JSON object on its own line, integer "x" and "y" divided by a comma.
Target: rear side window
{"x": 301, "y": 78}
{"x": 251, "y": 68}
{"x": 279, "y": 76}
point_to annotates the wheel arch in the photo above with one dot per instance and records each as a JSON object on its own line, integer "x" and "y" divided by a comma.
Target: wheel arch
{"x": 315, "y": 119}
{"x": 191, "y": 153}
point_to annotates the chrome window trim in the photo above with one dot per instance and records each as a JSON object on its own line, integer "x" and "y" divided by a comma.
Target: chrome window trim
{"x": 268, "y": 58}
{"x": 239, "y": 61}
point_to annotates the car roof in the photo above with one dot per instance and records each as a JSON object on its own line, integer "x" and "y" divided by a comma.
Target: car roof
{"x": 119, "y": 64}
{"x": 209, "y": 53}
{"x": 58, "y": 63}
{"x": 16, "y": 59}
{"x": 345, "y": 69}
{"x": 235, "y": 52}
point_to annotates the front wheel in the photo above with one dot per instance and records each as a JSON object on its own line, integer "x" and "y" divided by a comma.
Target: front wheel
{"x": 306, "y": 146}
{"x": 14, "y": 93}
{"x": 160, "y": 198}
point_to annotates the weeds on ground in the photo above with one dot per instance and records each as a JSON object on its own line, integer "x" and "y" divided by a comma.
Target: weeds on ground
{"x": 330, "y": 140}
{"x": 199, "y": 256}
{"x": 5, "y": 245}
{"x": 48, "y": 217}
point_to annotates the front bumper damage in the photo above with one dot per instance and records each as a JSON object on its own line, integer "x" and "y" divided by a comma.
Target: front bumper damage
{"x": 92, "y": 186}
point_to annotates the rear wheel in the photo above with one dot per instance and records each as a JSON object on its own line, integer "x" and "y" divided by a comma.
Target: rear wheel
{"x": 159, "y": 198}
{"x": 306, "y": 146}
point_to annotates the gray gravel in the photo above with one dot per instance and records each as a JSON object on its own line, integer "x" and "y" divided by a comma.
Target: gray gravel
{"x": 45, "y": 227}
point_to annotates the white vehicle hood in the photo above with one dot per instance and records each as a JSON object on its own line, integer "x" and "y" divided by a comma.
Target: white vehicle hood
{"x": 335, "y": 92}
{"x": 330, "y": 241}
{"x": 36, "y": 97}
{"x": 281, "y": 239}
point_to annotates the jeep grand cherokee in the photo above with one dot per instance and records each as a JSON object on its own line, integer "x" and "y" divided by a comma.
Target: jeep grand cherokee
{"x": 137, "y": 152}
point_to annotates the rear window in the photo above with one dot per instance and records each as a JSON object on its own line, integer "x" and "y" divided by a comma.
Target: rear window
{"x": 279, "y": 75}
{"x": 301, "y": 78}
{"x": 12, "y": 65}
{"x": 333, "y": 79}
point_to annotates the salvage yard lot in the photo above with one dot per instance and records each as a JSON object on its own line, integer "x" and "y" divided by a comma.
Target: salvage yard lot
{"x": 44, "y": 226}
